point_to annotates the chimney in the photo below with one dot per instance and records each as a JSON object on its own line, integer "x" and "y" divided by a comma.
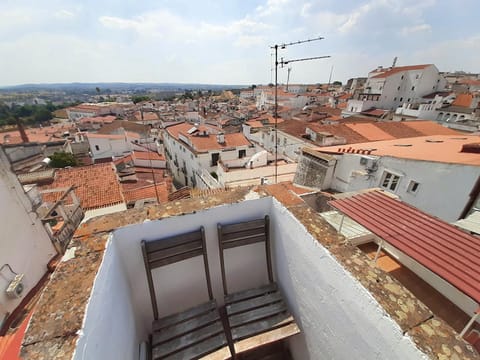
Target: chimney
{"x": 221, "y": 138}
{"x": 21, "y": 130}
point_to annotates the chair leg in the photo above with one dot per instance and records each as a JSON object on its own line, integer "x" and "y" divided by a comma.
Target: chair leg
{"x": 226, "y": 326}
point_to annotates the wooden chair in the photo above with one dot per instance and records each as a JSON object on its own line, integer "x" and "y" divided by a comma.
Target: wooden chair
{"x": 258, "y": 316}
{"x": 197, "y": 332}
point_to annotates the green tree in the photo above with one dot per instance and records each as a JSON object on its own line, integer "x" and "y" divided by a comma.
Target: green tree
{"x": 61, "y": 159}
{"x": 139, "y": 98}
{"x": 337, "y": 83}
{"x": 42, "y": 114}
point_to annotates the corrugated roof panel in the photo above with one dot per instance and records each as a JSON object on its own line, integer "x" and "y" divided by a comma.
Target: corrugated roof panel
{"x": 445, "y": 250}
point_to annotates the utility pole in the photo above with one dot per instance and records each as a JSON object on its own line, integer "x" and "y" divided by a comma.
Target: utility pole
{"x": 282, "y": 63}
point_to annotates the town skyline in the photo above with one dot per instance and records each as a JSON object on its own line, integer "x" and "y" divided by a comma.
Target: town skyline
{"x": 229, "y": 43}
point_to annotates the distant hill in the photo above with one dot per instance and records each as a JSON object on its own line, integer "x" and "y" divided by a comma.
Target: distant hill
{"x": 116, "y": 87}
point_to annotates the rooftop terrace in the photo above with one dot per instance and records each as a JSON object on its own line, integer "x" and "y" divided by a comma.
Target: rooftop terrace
{"x": 97, "y": 304}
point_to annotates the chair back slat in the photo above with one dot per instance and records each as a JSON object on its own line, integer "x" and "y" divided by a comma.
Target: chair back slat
{"x": 175, "y": 253}
{"x": 244, "y": 233}
{"x": 165, "y": 251}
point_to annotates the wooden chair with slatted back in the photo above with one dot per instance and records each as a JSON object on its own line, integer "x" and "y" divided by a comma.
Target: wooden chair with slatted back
{"x": 197, "y": 332}
{"x": 259, "y": 316}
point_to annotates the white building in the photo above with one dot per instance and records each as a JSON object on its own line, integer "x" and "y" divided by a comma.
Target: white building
{"x": 25, "y": 247}
{"x": 433, "y": 173}
{"x": 107, "y": 146}
{"x": 195, "y": 150}
{"x": 389, "y": 88}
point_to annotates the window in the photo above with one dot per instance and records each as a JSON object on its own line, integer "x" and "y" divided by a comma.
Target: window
{"x": 408, "y": 100}
{"x": 402, "y": 77}
{"x": 215, "y": 157}
{"x": 394, "y": 99}
{"x": 413, "y": 187}
{"x": 390, "y": 181}
{"x": 242, "y": 153}
{"x": 97, "y": 147}
{"x": 284, "y": 141}
{"x": 401, "y": 99}
{"x": 417, "y": 76}
{"x": 413, "y": 88}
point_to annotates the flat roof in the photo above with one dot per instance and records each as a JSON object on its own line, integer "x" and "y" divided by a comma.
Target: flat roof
{"x": 437, "y": 148}
{"x": 442, "y": 248}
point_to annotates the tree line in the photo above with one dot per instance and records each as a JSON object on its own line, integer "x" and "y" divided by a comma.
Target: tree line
{"x": 28, "y": 114}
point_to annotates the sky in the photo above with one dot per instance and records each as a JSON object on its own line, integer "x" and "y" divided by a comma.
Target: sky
{"x": 229, "y": 42}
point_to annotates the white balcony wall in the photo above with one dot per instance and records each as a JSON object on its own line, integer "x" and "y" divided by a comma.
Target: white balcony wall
{"x": 111, "y": 328}
{"x": 337, "y": 315}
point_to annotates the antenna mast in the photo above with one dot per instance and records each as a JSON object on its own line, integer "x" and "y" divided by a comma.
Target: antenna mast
{"x": 282, "y": 63}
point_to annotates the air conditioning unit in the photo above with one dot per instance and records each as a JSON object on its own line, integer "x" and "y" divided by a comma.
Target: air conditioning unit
{"x": 15, "y": 288}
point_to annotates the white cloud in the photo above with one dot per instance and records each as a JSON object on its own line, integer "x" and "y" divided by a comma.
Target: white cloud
{"x": 164, "y": 24}
{"x": 272, "y": 7}
{"x": 416, "y": 29}
{"x": 248, "y": 41}
{"x": 446, "y": 54}
{"x": 64, "y": 14}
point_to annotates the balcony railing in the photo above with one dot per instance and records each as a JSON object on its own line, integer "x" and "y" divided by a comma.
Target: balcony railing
{"x": 63, "y": 217}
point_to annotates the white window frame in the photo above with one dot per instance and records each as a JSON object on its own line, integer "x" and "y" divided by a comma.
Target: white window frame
{"x": 392, "y": 178}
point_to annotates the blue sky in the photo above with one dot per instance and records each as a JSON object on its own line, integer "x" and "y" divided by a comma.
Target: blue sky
{"x": 228, "y": 42}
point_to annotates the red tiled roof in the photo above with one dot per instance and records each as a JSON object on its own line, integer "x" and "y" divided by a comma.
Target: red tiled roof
{"x": 370, "y": 131}
{"x": 430, "y": 128}
{"x": 205, "y": 143}
{"x": 147, "y": 155}
{"x": 40, "y": 135}
{"x": 95, "y": 185}
{"x": 147, "y": 192}
{"x": 392, "y": 71}
{"x": 463, "y": 100}
{"x": 297, "y": 128}
{"x": 374, "y": 112}
{"x": 438, "y": 148}
{"x": 147, "y": 116}
{"x": 98, "y": 120}
{"x": 448, "y": 252}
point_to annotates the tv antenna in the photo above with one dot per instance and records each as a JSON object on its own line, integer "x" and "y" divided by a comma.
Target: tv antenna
{"x": 282, "y": 63}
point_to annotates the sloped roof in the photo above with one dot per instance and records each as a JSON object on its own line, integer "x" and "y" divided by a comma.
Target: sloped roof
{"x": 95, "y": 185}
{"x": 438, "y": 148}
{"x": 463, "y": 100}
{"x": 370, "y": 131}
{"x": 147, "y": 192}
{"x": 208, "y": 142}
{"x": 397, "y": 69}
{"x": 430, "y": 128}
{"x": 443, "y": 249}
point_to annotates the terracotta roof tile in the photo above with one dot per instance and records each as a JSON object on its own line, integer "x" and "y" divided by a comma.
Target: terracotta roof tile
{"x": 147, "y": 192}
{"x": 463, "y": 100}
{"x": 147, "y": 155}
{"x": 297, "y": 128}
{"x": 370, "y": 131}
{"x": 430, "y": 128}
{"x": 209, "y": 142}
{"x": 395, "y": 70}
{"x": 95, "y": 185}
{"x": 438, "y": 148}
